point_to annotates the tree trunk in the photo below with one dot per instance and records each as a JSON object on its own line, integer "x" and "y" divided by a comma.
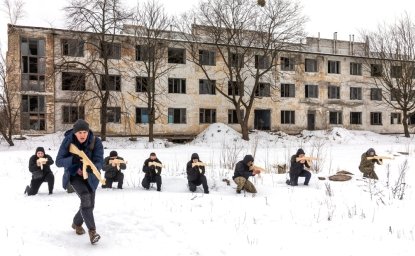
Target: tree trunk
{"x": 244, "y": 127}
{"x": 405, "y": 124}
{"x": 103, "y": 120}
{"x": 151, "y": 126}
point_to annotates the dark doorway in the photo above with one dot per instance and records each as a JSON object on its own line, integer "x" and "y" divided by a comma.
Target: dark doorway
{"x": 311, "y": 120}
{"x": 262, "y": 119}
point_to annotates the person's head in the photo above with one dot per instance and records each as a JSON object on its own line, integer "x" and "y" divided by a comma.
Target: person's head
{"x": 300, "y": 153}
{"x": 195, "y": 157}
{"x": 248, "y": 160}
{"x": 40, "y": 152}
{"x": 370, "y": 152}
{"x": 81, "y": 130}
{"x": 113, "y": 154}
{"x": 153, "y": 156}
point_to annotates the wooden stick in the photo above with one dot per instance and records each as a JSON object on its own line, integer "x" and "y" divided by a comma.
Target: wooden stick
{"x": 307, "y": 158}
{"x": 378, "y": 157}
{"x": 85, "y": 163}
{"x": 155, "y": 164}
{"x": 198, "y": 164}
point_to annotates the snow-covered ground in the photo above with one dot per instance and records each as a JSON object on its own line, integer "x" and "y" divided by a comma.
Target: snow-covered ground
{"x": 356, "y": 217}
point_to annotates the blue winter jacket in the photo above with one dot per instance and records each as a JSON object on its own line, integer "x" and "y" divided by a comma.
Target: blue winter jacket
{"x": 65, "y": 158}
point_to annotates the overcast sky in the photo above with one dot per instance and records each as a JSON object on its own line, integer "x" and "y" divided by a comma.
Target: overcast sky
{"x": 325, "y": 16}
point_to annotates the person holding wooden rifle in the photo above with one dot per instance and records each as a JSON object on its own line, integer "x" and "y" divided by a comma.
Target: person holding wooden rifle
{"x": 196, "y": 174}
{"x": 297, "y": 169}
{"x": 113, "y": 164}
{"x": 39, "y": 166}
{"x": 367, "y": 163}
{"x": 243, "y": 170}
{"x": 82, "y": 156}
{"x": 152, "y": 169}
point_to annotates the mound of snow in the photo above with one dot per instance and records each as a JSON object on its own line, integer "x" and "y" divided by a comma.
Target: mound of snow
{"x": 217, "y": 133}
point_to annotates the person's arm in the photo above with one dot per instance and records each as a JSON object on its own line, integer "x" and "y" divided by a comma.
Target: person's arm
{"x": 123, "y": 166}
{"x": 64, "y": 157}
{"x": 107, "y": 166}
{"x": 146, "y": 168}
{"x": 50, "y": 160}
{"x": 33, "y": 164}
{"x": 98, "y": 154}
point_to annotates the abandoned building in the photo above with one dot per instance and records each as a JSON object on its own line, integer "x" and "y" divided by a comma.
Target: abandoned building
{"x": 320, "y": 87}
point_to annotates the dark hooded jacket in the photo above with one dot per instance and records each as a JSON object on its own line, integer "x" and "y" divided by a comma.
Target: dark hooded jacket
{"x": 366, "y": 165}
{"x": 151, "y": 170}
{"x": 296, "y": 167}
{"x": 242, "y": 168}
{"x": 72, "y": 163}
{"x": 36, "y": 171}
{"x": 194, "y": 173}
{"x": 111, "y": 171}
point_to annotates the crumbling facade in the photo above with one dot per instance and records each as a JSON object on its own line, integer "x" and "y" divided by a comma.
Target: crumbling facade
{"x": 322, "y": 86}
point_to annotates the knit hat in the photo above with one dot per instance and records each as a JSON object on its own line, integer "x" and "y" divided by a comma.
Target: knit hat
{"x": 152, "y": 154}
{"x": 80, "y": 125}
{"x": 195, "y": 156}
{"x": 300, "y": 152}
{"x": 113, "y": 153}
{"x": 40, "y": 149}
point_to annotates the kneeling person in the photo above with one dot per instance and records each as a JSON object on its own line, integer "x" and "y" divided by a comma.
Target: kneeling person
{"x": 196, "y": 174}
{"x": 39, "y": 166}
{"x": 113, "y": 164}
{"x": 152, "y": 169}
{"x": 244, "y": 170}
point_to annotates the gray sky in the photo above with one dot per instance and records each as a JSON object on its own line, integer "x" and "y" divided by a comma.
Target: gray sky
{"x": 325, "y": 16}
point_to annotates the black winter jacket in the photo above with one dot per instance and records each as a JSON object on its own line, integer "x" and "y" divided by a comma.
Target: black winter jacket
{"x": 194, "y": 173}
{"x": 36, "y": 171}
{"x": 111, "y": 171}
{"x": 296, "y": 167}
{"x": 151, "y": 170}
{"x": 242, "y": 168}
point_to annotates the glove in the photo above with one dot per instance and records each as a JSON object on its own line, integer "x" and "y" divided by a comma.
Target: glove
{"x": 76, "y": 159}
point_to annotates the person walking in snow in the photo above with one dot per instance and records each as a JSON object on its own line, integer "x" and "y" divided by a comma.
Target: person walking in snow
{"x": 297, "y": 169}
{"x": 196, "y": 174}
{"x": 84, "y": 140}
{"x": 367, "y": 166}
{"x": 39, "y": 166}
{"x": 244, "y": 170}
{"x": 113, "y": 169}
{"x": 152, "y": 169}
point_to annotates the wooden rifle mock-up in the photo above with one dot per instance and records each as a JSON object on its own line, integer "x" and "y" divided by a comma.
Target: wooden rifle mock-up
{"x": 41, "y": 161}
{"x": 85, "y": 163}
{"x": 117, "y": 162}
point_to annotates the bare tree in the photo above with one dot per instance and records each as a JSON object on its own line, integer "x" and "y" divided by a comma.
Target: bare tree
{"x": 390, "y": 58}
{"x": 248, "y": 39}
{"x": 9, "y": 112}
{"x": 150, "y": 28}
{"x": 103, "y": 20}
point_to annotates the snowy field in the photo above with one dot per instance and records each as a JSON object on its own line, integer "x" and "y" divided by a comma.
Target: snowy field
{"x": 356, "y": 217}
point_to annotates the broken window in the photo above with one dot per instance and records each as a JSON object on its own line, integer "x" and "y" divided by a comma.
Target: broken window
{"x": 333, "y": 92}
{"x": 335, "y": 117}
{"x": 141, "y": 116}
{"x": 177, "y": 85}
{"x": 287, "y": 117}
{"x": 375, "y": 118}
{"x": 207, "y": 116}
{"x": 355, "y": 117}
{"x": 73, "y": 81}
{"x": 111, "y": 50}
{"x": 207, "y": 86}
{"x": 176, "y": 115}
{"x": 141, "y": 84}
{"x": 235, "y": 88}
{"x": 114, "y": 115}
{"x": 33, "y": 64}
{"x": 261, "y": 62}
{"x": 33, "y": 112}
{"x": 311, "y": 65}
{"x": 333, "y": 67}
{"x": 263, "y": 90}
{"x": 112, "y": 84}
{"x": 396, "y": 72}
{"x": 287, "y": 64}
{"x": 176, "y": 55}
{"x": 144, "y": 53}
{"x": 355, "y": 69}
{"x": 232, "y": 116}
{"x": 396, "y": 118}
{"x": 72, "y": 113}
{"x": 207, "y": 57}
{"x": 72, "y": 47}
{"x": 236, "y": 60}
{"x": 288, "y": 90}
{"x": 355, "y": 93}
{"x": 311, "y": 91}
{"x": 376, "y": 70}
{"x": 375, "y": 94}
